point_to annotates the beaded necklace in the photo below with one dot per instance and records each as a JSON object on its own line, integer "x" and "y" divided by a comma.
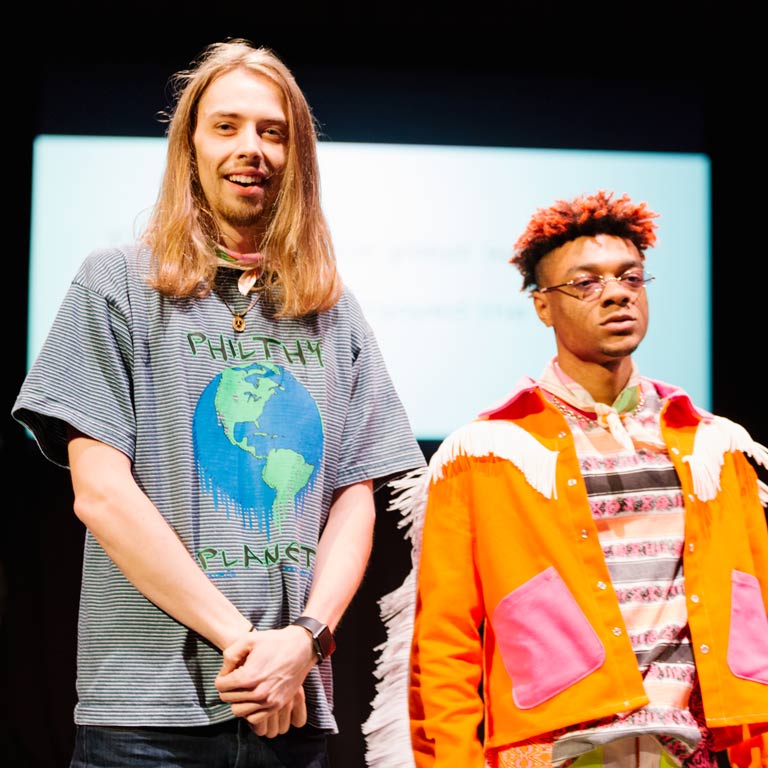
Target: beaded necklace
{"x": 592, "y": 421}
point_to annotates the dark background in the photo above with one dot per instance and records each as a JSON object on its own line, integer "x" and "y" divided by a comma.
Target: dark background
{"x": 397, "y": 74}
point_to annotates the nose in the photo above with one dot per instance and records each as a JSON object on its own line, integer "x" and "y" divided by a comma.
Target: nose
{"x": 250, "y": 143}
{"x": 616, "y": 290}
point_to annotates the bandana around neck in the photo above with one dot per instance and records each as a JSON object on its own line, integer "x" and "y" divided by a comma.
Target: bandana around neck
{"x": 250, "y": 263}
{"x": 563, "y": 387}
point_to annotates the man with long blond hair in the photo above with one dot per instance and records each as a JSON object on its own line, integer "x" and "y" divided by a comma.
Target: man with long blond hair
{"x": 224, "y": 411}
{"x": 591, "y": 555}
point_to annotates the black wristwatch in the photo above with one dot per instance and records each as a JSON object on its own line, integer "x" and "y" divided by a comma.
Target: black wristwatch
{"x": 322, "y": 637}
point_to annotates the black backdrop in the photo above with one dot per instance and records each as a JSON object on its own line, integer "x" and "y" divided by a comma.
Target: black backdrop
{"x": 375, "y": 79}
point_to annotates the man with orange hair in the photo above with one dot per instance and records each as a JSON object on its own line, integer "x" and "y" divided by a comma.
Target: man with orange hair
{"x": 224, "y": 410}
{"x": 592, "y": 561}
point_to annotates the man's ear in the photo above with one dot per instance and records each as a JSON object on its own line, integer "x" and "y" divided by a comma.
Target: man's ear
{"x": 541, "y": 305}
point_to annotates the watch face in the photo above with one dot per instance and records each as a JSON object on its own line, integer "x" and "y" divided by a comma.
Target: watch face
{"x": 322, "y": 637}
{"x": 325, "y": 642}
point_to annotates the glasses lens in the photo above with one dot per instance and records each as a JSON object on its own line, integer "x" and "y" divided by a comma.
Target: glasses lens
{"x": 589, "y": 288}
{"x": 592, "y": 288}
{"x": 634, "y": 280}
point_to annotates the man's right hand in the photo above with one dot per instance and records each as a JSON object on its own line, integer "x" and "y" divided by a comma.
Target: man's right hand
{"x": 270, "y": 724}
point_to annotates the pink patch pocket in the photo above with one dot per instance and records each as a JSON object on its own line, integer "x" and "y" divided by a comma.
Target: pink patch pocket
{"x": 748, "y": 634}
{"x": 545, "y": 639}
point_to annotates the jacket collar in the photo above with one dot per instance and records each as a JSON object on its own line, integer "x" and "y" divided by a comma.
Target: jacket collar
{"x": 678, "y": 408}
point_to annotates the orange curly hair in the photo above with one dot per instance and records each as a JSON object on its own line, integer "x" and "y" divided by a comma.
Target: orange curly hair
{"x": 584, "y": 216}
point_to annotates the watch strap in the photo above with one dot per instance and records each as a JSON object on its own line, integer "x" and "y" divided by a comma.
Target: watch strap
{"x": 322, "y": 637}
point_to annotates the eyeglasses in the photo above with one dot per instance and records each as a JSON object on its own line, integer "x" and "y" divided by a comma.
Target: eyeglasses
{"x": 591, "y": 287}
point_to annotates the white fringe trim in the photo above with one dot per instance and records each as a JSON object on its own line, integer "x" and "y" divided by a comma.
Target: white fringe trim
{"x": 507, "y": 441}
{"x": 387, "y": 729}
{"x": 713, "y": 438}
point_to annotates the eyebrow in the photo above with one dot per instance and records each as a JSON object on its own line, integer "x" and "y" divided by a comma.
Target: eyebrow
{"x": 225, "y": 114}
{"x": 594, "y": 269}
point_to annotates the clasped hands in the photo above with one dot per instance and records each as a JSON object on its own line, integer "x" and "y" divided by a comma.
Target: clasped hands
{"x": 262, "y": 678}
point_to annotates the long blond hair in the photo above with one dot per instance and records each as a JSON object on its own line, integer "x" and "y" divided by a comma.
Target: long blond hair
{"x": 300, "y": 273}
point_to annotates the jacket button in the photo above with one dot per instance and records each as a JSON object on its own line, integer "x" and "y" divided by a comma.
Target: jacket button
{"x": 704, "y": 648}
{"x": 617, "y": 631}
{"x": 601, "y": 585}
{"x": 694, "y": 598}
{"x": 572, "y": 481}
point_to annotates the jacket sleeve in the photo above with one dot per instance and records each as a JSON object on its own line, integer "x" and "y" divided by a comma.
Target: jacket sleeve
{"x": 752, "y": 752}
{"x": 445, "y": 700}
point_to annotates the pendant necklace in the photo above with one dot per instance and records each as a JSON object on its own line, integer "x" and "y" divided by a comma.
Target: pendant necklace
{"x": 251, "y": 263}
{"x": 238, "y": 318}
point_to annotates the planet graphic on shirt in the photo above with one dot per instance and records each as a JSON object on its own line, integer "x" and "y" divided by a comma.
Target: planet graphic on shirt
{"x": 258, "y": 441}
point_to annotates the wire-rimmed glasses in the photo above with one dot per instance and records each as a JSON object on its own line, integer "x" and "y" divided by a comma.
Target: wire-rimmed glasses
{"x": 591, "y": 287}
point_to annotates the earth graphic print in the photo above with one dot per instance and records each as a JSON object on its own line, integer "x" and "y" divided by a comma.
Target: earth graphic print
{"x": 258, "y": 439}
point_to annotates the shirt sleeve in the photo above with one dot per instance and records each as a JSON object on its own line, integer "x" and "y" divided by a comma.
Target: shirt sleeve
{"x": 378, "y": 441}
{"x": 81, "y": 376}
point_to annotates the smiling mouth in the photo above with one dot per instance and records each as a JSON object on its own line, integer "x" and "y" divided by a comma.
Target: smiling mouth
{"x": 245, "y": 181}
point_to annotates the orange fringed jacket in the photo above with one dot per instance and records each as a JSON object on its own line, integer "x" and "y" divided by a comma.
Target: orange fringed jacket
{"x": 512, "y": 628}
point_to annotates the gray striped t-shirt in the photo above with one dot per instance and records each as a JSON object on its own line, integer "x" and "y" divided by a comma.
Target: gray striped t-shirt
{"x": 239, "y": 439}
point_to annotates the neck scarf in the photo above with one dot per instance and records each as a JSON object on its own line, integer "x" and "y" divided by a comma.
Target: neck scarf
{"x": 611, "y": 417}
{"x": 250, "y": 263}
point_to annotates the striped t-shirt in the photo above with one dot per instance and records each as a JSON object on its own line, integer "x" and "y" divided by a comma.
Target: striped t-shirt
{"x": 239, "y": 439}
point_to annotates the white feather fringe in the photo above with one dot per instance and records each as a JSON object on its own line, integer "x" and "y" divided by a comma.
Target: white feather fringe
{"x": 713, "y": 438}
{"x": 507, "y": 441}
{"x": 387, "y": 729}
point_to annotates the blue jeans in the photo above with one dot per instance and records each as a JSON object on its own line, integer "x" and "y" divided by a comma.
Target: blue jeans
{"x": 231, "y": 744}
